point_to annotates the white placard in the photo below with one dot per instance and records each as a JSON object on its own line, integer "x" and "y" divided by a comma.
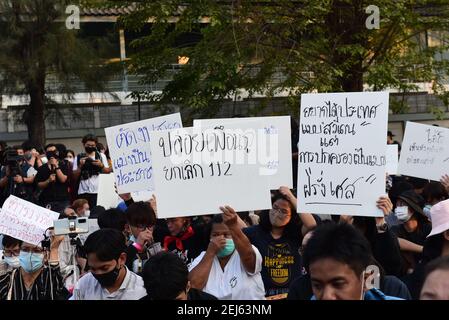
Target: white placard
{"x": 25, "y": 221}
{"x": 424, "y": 152}
{"x": 108, "y": 198}
{"x": 341, "y": 160}
{"x": 392, "y": 159}
{"x": 194, "y": 176}
{"x": 129, "y": 146}
{"x": 277, "y": 159}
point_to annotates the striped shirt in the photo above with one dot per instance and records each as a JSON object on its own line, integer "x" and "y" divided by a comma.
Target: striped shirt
{"x": 49, "y": 285}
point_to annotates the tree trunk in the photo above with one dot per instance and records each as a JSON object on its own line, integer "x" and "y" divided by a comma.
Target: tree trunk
{"x": 346, "y": 27}
{"x": 35, "y": 119}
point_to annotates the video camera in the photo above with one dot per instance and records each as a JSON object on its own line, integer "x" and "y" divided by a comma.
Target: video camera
{"x": 12, "y": 160}
{"x": 89, "y": 169}
{"x": 71, "y": 226}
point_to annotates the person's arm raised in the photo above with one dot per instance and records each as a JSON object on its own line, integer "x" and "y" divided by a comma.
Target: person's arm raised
{"x": 241, "y": 241}
{"x": 199, "y": 275}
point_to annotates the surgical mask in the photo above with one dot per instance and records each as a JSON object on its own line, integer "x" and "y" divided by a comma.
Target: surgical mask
{"x": 90, "y": 149}
{"x": 13, "y": 262}
{"x": 30, "y": 261}
{"x": 132, "y": 238}
{"x": 107, "y": 279}
{"x": 278, "y": 219}
{"x": 69, "y": 159}
{"x": 426, "y": 210}
{"x": 402, "y": 214}
{"x": 44, "y": 160}
{"x": 227, "y": 250}
{"x": 87, "y": 213}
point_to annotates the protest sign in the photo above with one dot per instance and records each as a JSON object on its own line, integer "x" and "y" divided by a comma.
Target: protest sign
{"x": 25, "y": 221}
{"x": 424, "y": 152}
{"x": 274, "y": 145}
{"x": 129, "y": 146}
{"x": 108, "y": 197}
{"x": 392, "y": 159}
{"x": 341, "y": 160}
{"x": 196, "y": 171}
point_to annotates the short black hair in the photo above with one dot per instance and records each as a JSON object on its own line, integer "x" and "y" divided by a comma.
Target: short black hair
{"x": 89, "y": 137}
{"x": 8, "y": 241}
{"x": 441, "y": 263}
{"x": 435, "y": 191}
{"x": 107, "y": 244}
{"x": 28, "y": 145}
{"x": 216, "y": 219}
{"x": 140, "y": 213}
{"x": 165, "y": 276}
{"x": 418, "y": 183}
{"x": 341, "y": 242}
{"x": 50, "y": 145}
{"x": 113, "y": 219}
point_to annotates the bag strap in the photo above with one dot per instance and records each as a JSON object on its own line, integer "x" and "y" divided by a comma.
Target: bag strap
{"x": 11, "y": 284}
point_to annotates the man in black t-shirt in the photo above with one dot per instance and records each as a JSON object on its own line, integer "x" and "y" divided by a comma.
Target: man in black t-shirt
{"x": 52, "y": 178}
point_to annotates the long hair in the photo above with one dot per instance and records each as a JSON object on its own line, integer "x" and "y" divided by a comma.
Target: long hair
{"x": 292, "y": 231}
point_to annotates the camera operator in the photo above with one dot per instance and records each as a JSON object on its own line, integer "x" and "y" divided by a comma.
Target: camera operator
{"x": 52, "y": 180}
{"x": 32, "y": 157}
{"x": 87, "y": 167}
{"x": 14, "y": 178}
{"x": 38, "y": 277}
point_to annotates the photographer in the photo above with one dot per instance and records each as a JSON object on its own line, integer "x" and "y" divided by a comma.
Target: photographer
{"x": 87, "y": 167}
{"x": 38, "y": 277}
{"x": 14, "y": 178}
{"x": 52, "y": 180}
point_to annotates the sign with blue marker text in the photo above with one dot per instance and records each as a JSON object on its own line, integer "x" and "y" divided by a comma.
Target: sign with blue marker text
{"x": 129, "y": 146}
{"x": 342, "y": 154}
{"x": 424, "y": 152}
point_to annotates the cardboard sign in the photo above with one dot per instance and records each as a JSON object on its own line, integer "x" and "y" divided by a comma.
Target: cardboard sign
{"x": 25, "y": 221}
{"x": 196, "y": 171}
{"x": 274, "y": 145}
{"x": 129, "y": 146}
{"x": 424, "y": 152}
{"x": 341, "y": 159}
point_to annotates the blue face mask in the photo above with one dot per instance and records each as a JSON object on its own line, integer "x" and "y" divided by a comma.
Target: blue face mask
{"x": 31, "y": 262}
{"x": 227, "y": 250}
{"x": 132, "y": 238}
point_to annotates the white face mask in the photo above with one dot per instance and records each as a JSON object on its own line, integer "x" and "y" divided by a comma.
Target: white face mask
{"x": 402, "y": 214}
{"x": 87, "y": 213}
{"x": 44, "y": 160}
{"x": 426, "y": 210}
{"x": 13, "y": 262}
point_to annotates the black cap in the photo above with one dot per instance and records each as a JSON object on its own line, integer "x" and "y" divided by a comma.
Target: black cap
{"x": 413, "y": 200}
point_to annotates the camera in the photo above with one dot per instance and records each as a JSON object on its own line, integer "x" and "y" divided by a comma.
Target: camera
{"x": 89, "y": 169}
{"x": 12, "y": 160}
{"x": 71, "y": 226}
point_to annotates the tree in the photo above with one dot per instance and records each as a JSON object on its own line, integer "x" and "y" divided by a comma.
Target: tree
{"x": 286, "y": 45}
{"x": 36, "y": 45}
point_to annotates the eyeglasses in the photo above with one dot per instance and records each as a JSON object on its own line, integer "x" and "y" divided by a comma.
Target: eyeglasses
{"x": 10, "y": 253}
{"x": 32, "y": 250}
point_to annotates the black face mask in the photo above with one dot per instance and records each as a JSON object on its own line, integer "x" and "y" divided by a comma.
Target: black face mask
{"x": 90, "y": 149}
{"x": 107, "y": 279}
{"x": 51, "y": 154}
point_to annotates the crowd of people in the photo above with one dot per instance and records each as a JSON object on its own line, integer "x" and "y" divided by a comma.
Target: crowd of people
{"x": 267, "y": 254}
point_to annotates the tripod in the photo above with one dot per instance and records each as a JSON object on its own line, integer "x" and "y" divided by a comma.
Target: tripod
{"x": 74, "y": 242}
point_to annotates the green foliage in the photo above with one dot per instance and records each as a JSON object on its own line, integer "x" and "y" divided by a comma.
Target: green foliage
{"x": 293, "y": 46}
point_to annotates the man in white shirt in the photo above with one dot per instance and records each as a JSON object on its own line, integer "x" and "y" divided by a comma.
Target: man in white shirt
{"x": 230, "y": 267}
{"x": 109, "y": 278}
{"x": 87, "y": 166}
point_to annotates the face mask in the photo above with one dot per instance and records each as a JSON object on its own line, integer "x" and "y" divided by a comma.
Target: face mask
{"x": 87, "y": 213}
{"x": 13, "y": 262}
{"x": 426, "y": 210}
{"x": 69, "y": 159}
{"x": 90, "y": 149}
{"x": 227, "y": 250}
{"x": 132, "y": 238}
{"x": 31, "y": 262}
{"x": 107, "y": 279}
{"x": 44, "y": 160}
{"x": 402, "y": 214}
{"x": 277, "y": 219}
